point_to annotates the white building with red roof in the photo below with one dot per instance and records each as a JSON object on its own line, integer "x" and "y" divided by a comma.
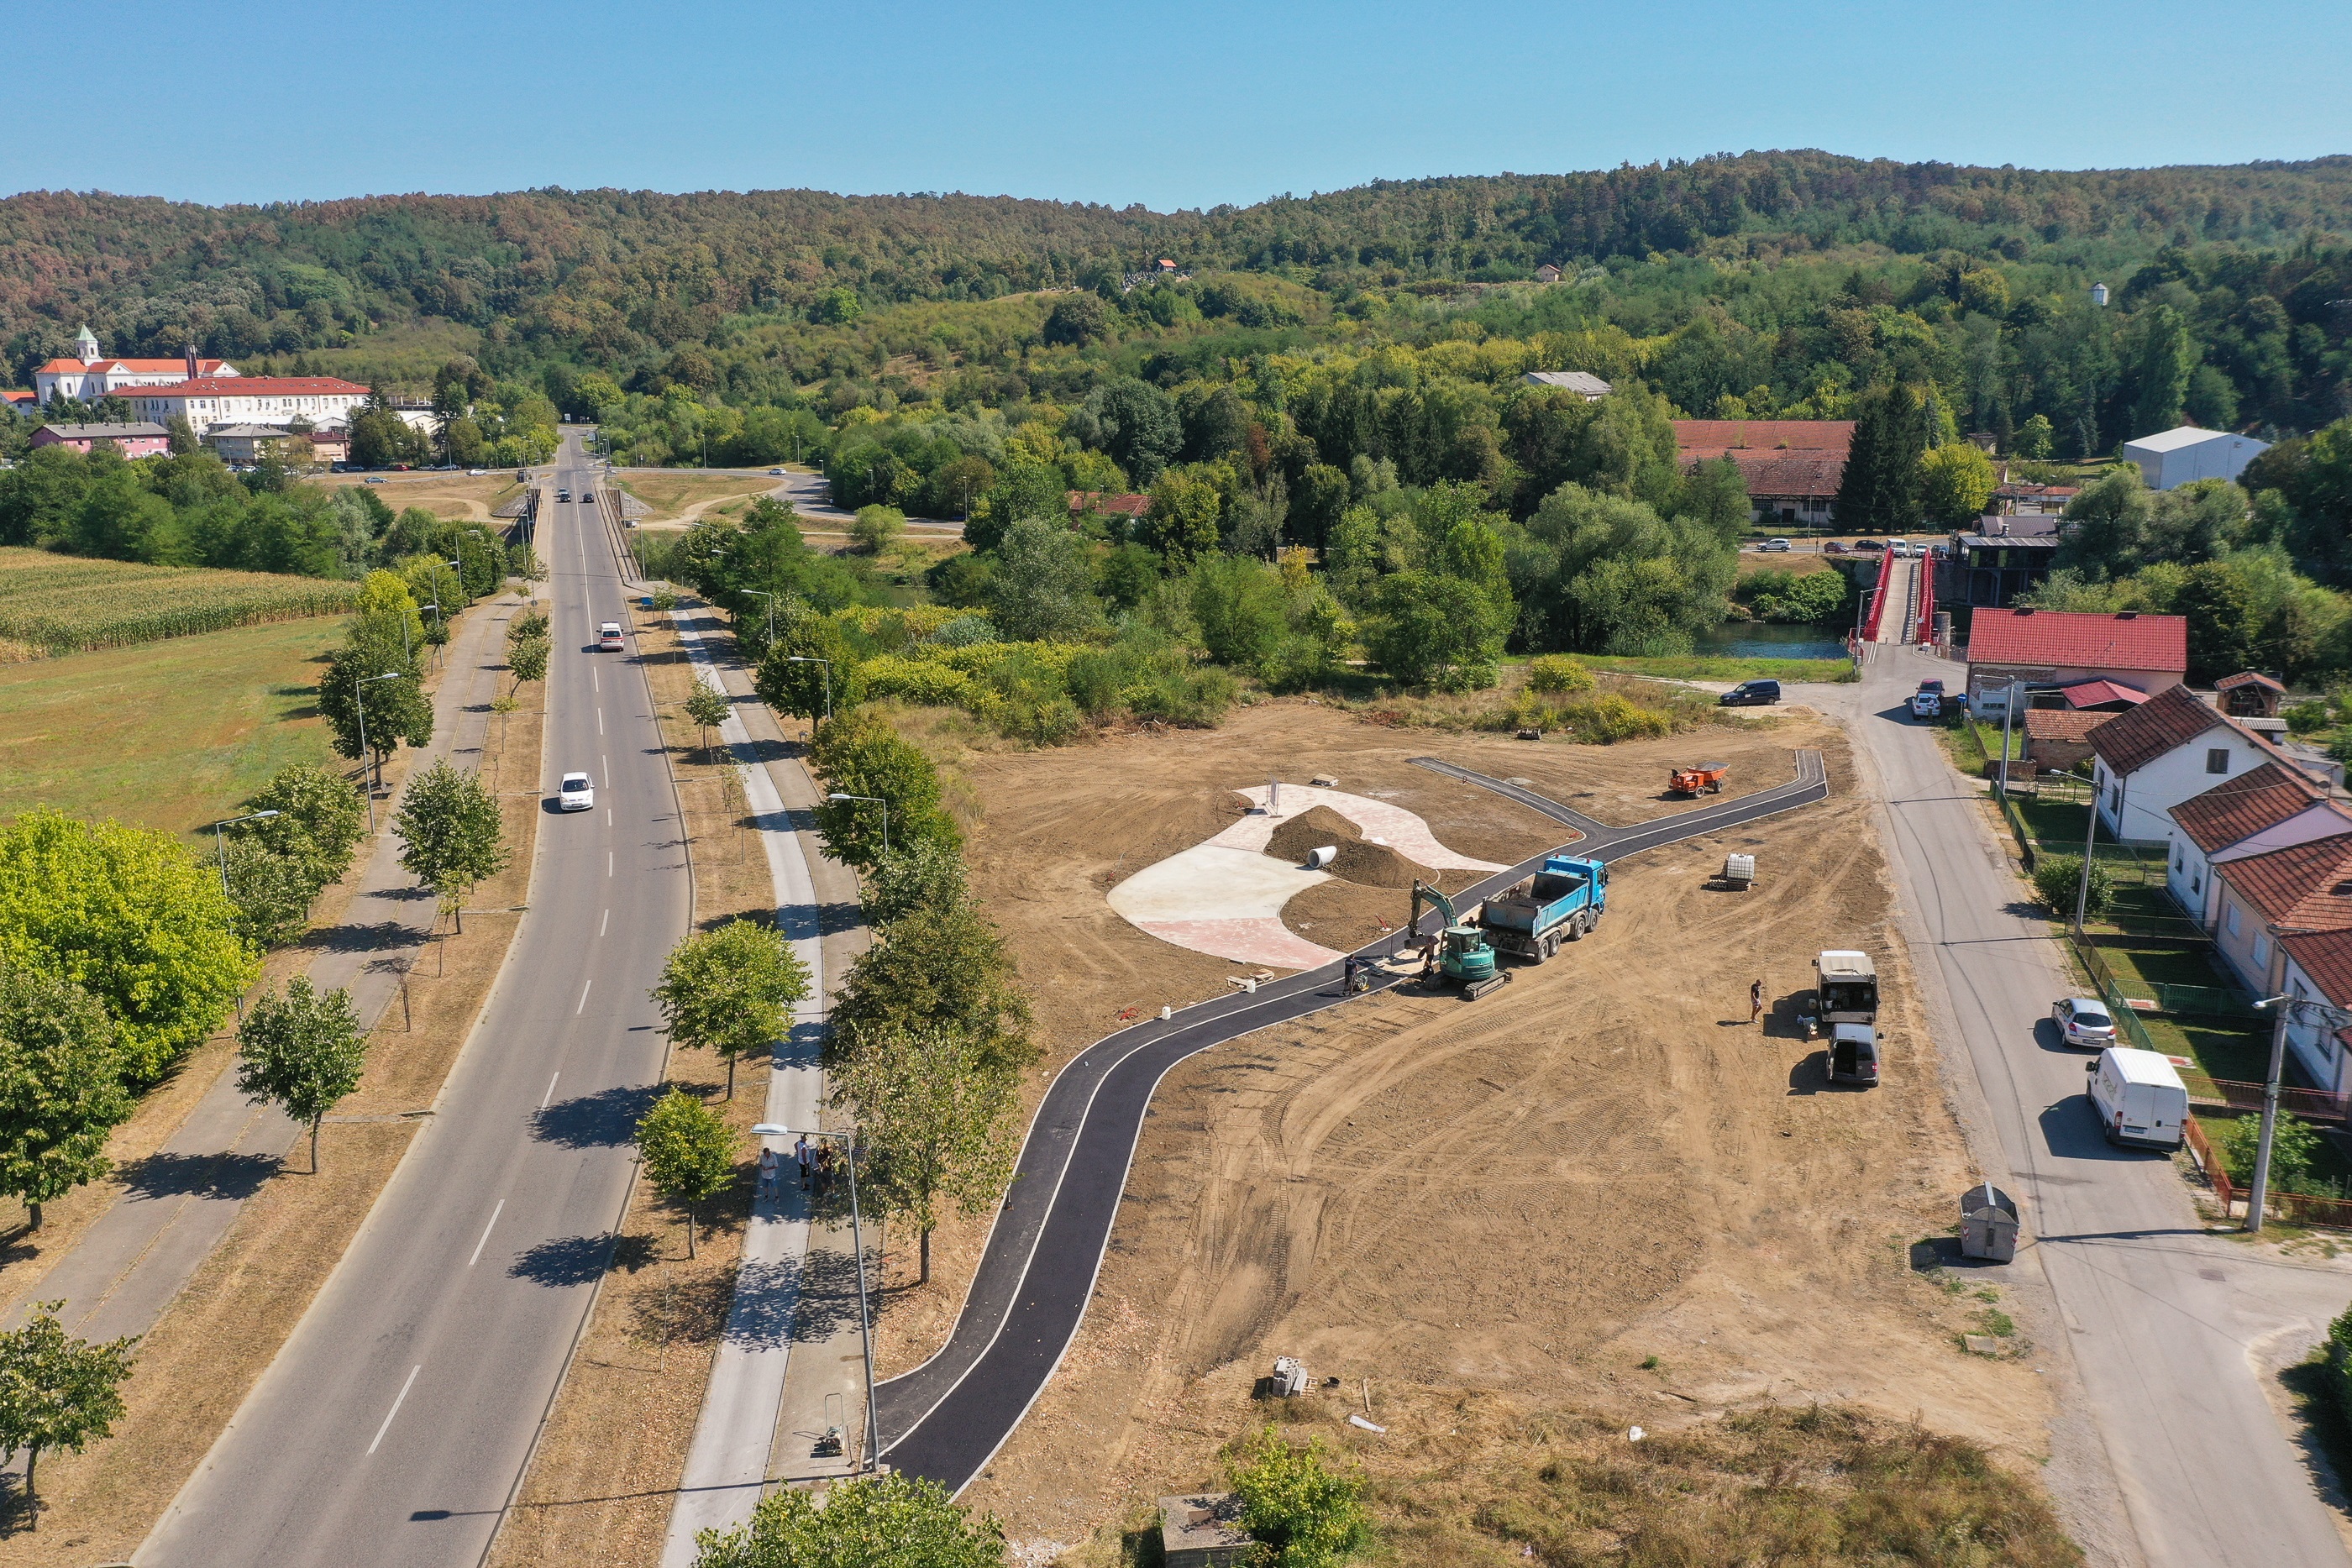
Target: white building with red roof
{"x": 2053, "y": 649}
{"x": 88, "y": 376}
{"x": 207, "y": 401}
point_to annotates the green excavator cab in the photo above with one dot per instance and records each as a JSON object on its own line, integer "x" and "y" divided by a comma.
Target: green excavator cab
{"x": 1464, "y": 956}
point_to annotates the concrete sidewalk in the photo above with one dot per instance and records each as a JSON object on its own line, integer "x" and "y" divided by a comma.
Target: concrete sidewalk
{"x": 762, "y": 1399}
{"x": 131, "y": 1265}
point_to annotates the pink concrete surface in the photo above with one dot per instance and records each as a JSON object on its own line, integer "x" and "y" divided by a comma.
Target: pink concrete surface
{"x": 1226, "y": 897}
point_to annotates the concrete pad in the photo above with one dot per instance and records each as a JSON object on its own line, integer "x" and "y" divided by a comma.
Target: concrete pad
{"x": 1226, "y": 897}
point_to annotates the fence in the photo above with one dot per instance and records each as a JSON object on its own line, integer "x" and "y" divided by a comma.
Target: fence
{"x": 1877, "y": 603}
{"x": 2294, "y": 1208}
{"x": 1924, "y": 632}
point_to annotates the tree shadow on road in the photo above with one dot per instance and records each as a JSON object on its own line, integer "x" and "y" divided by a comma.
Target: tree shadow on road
{"x": 569, "y": 1260}
{"x": 603, "y": 1120}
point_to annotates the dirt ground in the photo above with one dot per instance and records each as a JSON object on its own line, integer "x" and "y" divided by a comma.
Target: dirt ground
{"x": 1598, "y": 1164}
{"x": 461, "y": 496}
{"x": 198, "y": 1363}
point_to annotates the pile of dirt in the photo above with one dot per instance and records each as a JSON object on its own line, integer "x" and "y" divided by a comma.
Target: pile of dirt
{"x": 1366, "y": 865}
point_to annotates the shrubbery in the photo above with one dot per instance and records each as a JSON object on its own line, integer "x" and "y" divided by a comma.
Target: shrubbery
{"x": 2058, "y": 879}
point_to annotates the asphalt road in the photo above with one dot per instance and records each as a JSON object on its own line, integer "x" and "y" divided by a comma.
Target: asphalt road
{"x": 393, "y": 1426}
{"x": 2165, "y": 1325}
{"x": 946, "y": 1419}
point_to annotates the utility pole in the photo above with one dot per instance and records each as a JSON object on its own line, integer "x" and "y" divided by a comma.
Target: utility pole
{"x": 2008, "y": 714}
{"x": 2082, "y": 889}
{"x": 2259, "y": 1193}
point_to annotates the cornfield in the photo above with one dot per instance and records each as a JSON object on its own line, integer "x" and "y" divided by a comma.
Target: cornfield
{"x": 67, "y": 604}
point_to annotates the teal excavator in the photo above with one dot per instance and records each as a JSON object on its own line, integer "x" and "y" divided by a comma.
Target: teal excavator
{"x": 1462, "y": 954}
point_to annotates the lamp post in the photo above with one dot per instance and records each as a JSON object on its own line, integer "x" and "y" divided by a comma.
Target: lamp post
{"x": 857, "y": 1242}
{"x": 2258, "y": 1195}
{"x": 359, "y": 706}
{"x": 435, "y": 608}
{"x": 763, "y": 593}
{"x": 878, "y": 801}
{"x": 826, "y": 674}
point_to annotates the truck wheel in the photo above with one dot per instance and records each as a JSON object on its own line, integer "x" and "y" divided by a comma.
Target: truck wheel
{"x": 1550, "y": 945}
{"x": 1575, "y": 928}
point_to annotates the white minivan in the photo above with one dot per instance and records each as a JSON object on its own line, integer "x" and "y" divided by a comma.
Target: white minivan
{"x": 2139, "y": 1098}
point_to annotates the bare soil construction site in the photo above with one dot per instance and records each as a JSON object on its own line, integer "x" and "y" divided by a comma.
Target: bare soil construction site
{"x": 1598, "y": 1189}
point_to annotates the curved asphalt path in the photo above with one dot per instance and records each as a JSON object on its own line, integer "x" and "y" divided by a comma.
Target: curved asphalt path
{"x": 393, "y": 1426}
{"x": 946, "y": 1419}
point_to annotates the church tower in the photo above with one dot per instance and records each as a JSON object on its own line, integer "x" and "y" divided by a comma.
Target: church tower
{"x": 85, "y": 344}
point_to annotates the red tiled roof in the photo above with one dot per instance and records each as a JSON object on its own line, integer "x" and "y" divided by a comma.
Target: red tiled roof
{"x": 2119, "y": 641}
{"x": 2326, "y": 957}
{"x": 136, "y": 367}
{"x": 2173, "y": 717}
{"x": 251, "y": 386}
{"x": 2091, "y": 694}
{"x": 2246, "y": 678}
{"x": 2255, "y": 801}
{"x": 2062, "y": 724}
{"x": 1809, "y": 475}
{"x": 1709, "y": 438}
{"x": 1108, "y": 501}
{"x": 2303, "y": 885}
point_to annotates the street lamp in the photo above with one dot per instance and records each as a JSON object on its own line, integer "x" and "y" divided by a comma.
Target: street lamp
{"x": 2259, "y": 1193}
{"x": 221, "y": 843}
{"x": 878, "y": 801}
{"x": 827, "y": 673}
{"x": 359, "y": 705}
{"x": 763, "y": 593}
{"x": 857, "y": 1242}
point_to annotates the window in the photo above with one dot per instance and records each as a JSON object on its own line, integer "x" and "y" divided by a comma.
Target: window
{"x": 2230, "y": 920}
{"x": 2217, "y": 760}
{"x": 2262, "y": 948}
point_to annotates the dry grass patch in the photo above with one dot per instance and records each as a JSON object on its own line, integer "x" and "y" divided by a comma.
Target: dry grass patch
{"x": 462, "y": 496}
{"x": 672, "y": 493}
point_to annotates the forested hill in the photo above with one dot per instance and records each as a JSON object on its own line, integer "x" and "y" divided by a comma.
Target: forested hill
{"x": 608, "y": 276}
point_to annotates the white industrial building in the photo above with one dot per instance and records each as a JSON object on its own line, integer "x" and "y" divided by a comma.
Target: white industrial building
{"x": 2174, "y": 458}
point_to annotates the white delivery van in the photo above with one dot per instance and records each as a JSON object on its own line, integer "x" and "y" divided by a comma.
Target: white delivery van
{"x": 2139, "y": 1098}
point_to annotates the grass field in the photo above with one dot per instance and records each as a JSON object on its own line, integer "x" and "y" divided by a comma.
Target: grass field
{"x": 65, "y": 604}
{"x": 165, "y": 735}
{"x": 670, "y": 492}
{"x": 456, "y": 495}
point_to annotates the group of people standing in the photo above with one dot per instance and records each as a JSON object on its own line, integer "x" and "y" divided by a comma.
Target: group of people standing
{"x": 820, "y": 1167}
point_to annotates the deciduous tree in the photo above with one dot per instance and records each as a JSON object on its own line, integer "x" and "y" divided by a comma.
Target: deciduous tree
{"x": 1301, "y": 1507}
{"x": 397, "y": 711}
{"x": 60, "y": 1087}
{"x": 935, "y": 1126}
{"x": 709, "y": 707}
{"x": 939, "y": 968}
{"x": 56, "y": 1391}
{"x": 302, "y": 1052}
{"x": 733, "y": 991}
{"x": 869, "y": 1522}
{"x": 451, "y": 836}
{"x": 689, "y": 1152}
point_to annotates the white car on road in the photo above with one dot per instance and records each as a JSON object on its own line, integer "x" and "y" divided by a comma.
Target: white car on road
{"x": 1926, "y": 704}
{"x": 1774, "y": 546}
{"x": 2083, "y": 1021}
{"x": 576, "y": 793}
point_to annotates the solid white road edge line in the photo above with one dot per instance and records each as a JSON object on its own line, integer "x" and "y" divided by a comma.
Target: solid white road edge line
{"x": 398, "y": 1401}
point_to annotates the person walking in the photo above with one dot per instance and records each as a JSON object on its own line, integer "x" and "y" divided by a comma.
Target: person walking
{"x": 771, "y": 1162}
{"x": 801, "y": 1153}
{"x": 1754, "y": 1001}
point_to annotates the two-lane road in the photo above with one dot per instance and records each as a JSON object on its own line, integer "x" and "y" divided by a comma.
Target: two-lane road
{"x": 394, "y": 1424}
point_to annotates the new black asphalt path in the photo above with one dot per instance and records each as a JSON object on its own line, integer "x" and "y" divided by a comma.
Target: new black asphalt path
{"x": 945, "y": 1420}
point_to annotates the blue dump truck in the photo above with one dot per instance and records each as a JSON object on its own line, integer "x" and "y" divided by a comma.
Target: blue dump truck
{"x": 1558, "y": 903}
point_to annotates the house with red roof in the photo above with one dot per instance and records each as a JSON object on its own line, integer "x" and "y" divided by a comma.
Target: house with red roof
{"x": 207, "y": 401}
{"x": 2266, "y": 899}
{"x": 1792, "y": 466}
{"x": 89, "y": 376}
{"x": 2317, "y": 966}
{"x": 2016, "y": 651}
{"x": 2272, "y": 807}
{"x": 2171, "y": 747}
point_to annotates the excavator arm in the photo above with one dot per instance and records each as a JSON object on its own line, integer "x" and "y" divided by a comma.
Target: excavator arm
{"x": 1424, "y": 893}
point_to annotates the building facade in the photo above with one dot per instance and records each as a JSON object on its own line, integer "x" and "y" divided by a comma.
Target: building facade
{"x": 89, "y": 375}
{"x": 131, "y": 440}
{"x": 209, "y": 400}
{"x": 2173, "y": 458}
{"x": 1792, "y": 466}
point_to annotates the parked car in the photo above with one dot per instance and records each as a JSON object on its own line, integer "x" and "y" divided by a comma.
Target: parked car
{"x": 1933, "y": 684}
{"x": 1775, "y": 545}
{"x": 1749, "y": 693}
{"x": 2083, "y": 1021}
{"x": 2137, "y": 1097}
{"x": 576, "y": 793}
{"x": 1926, "y": 704}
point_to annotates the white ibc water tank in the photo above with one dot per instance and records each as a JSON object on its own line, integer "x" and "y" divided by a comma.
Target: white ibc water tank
{"x": 1317, "y": 859}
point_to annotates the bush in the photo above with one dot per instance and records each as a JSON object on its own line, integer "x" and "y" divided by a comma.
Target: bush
{"x": 921, "y": 682}
{"x": 2057, "y": 879}
{"x": 1558, "y": 673}
{"x": 2306, "y": 718}
{"x": 874, "y": 529}
{"x": 2339, "y": 1359}
{"x": 1303, "y": 1511}
{"x": 2293, "y": 1144}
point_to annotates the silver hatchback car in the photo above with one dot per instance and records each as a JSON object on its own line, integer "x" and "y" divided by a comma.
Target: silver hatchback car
{"x": 576, "y": 793}
{"x": 2085, "y": 1022}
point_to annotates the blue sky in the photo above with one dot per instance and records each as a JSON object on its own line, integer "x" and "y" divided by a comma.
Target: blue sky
{"x": 1171, "y": 105}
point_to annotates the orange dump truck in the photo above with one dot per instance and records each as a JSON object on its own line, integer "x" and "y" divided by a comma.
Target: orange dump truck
{"x": 1705, "y": 779}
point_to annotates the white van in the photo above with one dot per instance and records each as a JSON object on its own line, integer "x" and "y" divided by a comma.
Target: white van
{"x": 2139, "y": 1098}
